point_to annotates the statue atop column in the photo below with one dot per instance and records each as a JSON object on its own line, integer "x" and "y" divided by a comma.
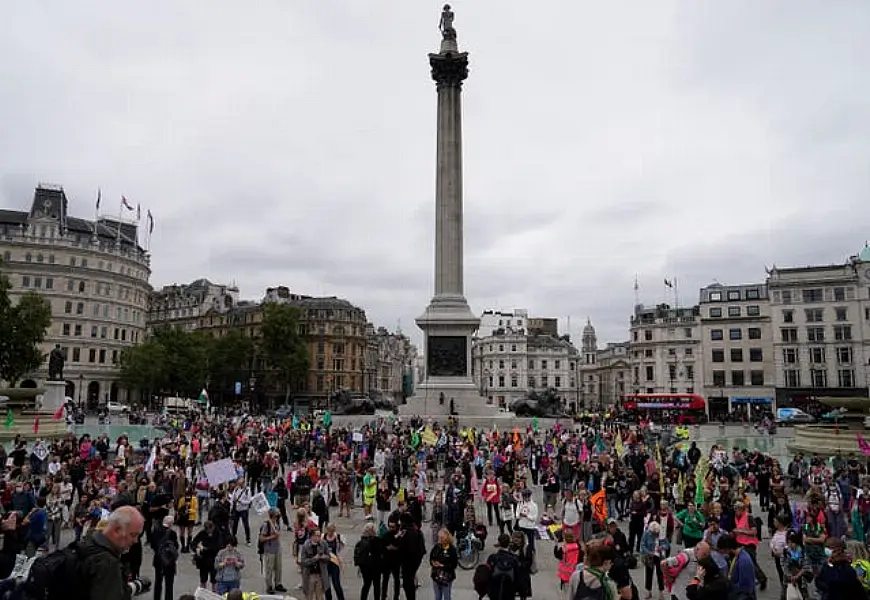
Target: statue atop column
{"x": 446, "y": 24}
{"x": 55, "y": 364}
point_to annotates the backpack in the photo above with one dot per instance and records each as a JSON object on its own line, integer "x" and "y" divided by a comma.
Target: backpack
{"x": 362, "y": 554}
{"x": 167, "y": 552}
{"x": 53, "y": 575}
{"x": 502, "y": 576}
{"x": 584, "y": 592}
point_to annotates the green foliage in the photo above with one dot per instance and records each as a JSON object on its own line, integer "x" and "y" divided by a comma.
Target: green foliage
{"x": 229, "y": 360}
{"x": 171, "y": 363}
{"x": 282, "y": 348}
{"x": 22, "y": 330}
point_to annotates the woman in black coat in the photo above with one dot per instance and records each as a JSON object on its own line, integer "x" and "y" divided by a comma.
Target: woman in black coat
{"x": 523, "y": 583}
{"x": 709, "y": 582}
{"x": 206, "y": 545}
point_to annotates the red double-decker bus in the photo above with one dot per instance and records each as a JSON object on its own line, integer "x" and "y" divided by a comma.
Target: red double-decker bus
{"x": 678, "y": 408}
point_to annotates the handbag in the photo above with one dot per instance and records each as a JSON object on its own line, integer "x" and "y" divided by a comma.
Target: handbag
{"x": 507, "y": 514}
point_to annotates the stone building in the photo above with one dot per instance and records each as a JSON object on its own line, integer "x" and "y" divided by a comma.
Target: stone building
{"x": 509, "y": 365}
{"x": 664, "y": 347}
{"x": 335, "y": 333}
{"x": 390, "y": 359}
{"x": 493, "y": 321}
{"x": 737, "y": 348}
{"x": 821, "y": 331}
{"x": 94, "y": 274}
{"x": 605, "y": 373}
{"x": 180, "y": 306}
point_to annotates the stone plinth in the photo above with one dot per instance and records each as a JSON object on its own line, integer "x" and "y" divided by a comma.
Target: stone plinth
{"x": 53, "y": 397}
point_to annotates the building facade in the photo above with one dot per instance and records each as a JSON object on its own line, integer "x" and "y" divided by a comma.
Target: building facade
{"x": 95, "y": 276}
{"x": 508, "y": 366}
{"x": 737, "y": 355}
{"x": 821, "y": 331}
{"x": 664, "y": 349}
{"x": 180, "y": 306}
{"x": 493, "y": 322}
{"x": 394, "y": 360}
{"x": 605, "y": 379}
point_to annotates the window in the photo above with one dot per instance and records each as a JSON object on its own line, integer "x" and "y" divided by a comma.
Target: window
{"x": 513, "y": 347}
{"x": 85, "y": 263}
{"x": 736, "y": 354}
{"x": 719, "y": 378}
{"x": 338, "y": 348}
{"x": 716, "y": 313}
{"x": 501, "y": 347}
{"x": 818, "y": 378}
{"x": 716, "y": 334}
{"x": 718, "y": 355}
{"x": 103, "y": 332}
{"x": 690, "y": 372}
{"x": 501, "y": 381}
{"x": 102, "y": 355}
{"x": 531, "y": 382}
{"x": 647, "y": 335}
{"x": 844, "y": 356}
{"x": 72, "y": 261}
{"x": 672, "y": 372}
{"x": 81, "y": 287}
{"x": 817, "y": 355}
{"x": 737, "y": 378}
{"x": 25, "y": 281}
{"x": 648, "y": 353}
{"x": 558, "y": 364}
{"x": 735, "y": 334}
{"x": 842, "y": 332}
{"x": 715, "y": 296}
{"x": 672, "y": 351}
{"x": 753, "y": 294}
{"x": 754, "y": 333}
{"x": 338, "y": 364}
{"x": 92, "y": 355}
{"x": 501, "y": 364}
{"x": 687, "y": 351}
{"x": 76, "y": 354}
{"x": 94, "y": 331}
{"x": 734, "y": 295}
{"x": 840, "y": 296}
{"x": 813, "y": 295}
{"x": 790, "y": 356}
{"x": 67, "y": 308}
{"x": 815, "y": 334}
{"x": 840, "y": 312}
{"x": 557, "y": 382}
{"x": 513, "y": 365}
{"x": 756, "y": 377}
{"x": 28, "y": 257}
{"x": 514, "y": 382}
{"x": 531, "y": 364}
{"x": 543, "y": 365}
{"x": 49, "y": 284}
{"x": 789, "y": 334}
{"x": 788, "y": 316}
{"x": 687, "y": 332}
{"x": 814, "y": 315}
{"x": 733, "y": 311}
{"x": 37, "y": 282}
{"x": 650, "y": 373}
{"x": 753, "y": 310}
{"x": 66, "y": 329}
{"x": 792, "y": 378}
{"x": 70, "y": 285}
{"x": 77, "y": 331}
{"x": 786, "y": 296}
{"x": 846, "y": 378}
{"x": 756, "y": 355}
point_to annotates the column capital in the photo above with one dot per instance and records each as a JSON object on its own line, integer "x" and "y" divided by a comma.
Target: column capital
{"x": 449, "y": 69}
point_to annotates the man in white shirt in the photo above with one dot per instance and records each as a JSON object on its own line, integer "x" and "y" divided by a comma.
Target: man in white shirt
{"x": 240, "y": 505}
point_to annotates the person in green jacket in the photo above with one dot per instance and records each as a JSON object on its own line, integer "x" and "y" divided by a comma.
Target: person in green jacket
{"x": 692, "y": 525}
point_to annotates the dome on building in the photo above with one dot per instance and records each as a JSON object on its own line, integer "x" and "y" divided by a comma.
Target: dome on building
{"x": 588, "y": 329}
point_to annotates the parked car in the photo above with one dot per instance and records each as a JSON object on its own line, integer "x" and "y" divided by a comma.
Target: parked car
{"x": 117, "y": 407}
{"x": 793, "y": 416}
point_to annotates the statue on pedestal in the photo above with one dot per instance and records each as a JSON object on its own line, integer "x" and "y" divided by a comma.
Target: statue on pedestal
{"x": 446, "y": 23}
{"x": 55, "y": 364}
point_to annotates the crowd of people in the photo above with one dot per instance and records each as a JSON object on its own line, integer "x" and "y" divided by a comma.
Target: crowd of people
{"x": 617, "y": 499}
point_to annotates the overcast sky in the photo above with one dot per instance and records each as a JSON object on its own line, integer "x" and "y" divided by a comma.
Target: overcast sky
{"x": 293, "y": 142}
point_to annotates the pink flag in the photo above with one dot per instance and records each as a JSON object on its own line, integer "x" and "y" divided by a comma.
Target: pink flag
{"x": 584, "y": 453}
{"x": 863, "y": 446}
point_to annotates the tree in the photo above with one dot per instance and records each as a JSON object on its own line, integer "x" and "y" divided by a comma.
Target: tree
{"x": 229, "y": 360}
{"x": 22, "y": 330}
{"x": 143, "y": 367}
{"x": 282, "y": 348}
{"x": 172, "y": 362}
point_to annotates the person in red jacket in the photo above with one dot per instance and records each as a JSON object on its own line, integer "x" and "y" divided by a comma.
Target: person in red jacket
{"x": 491, "y": 496}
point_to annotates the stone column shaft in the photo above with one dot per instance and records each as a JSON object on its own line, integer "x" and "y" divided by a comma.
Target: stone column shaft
{"x": 448, "y": 195}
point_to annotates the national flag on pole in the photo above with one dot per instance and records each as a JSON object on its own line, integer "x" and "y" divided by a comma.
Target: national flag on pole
{"x": 138, "y": 212}
{"x": 150, "y": 222}
{"x": 58, "y": 415}
{"x": 10, "y": 420}
{"x": 670, "y": 284}
{"x": 203, "y": 396}
{"x": 36, "y": 424}
{"x": 126, "y": 204}
{"x": 99, "y": 197}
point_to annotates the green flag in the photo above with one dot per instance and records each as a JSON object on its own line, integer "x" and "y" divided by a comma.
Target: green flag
{"x": 327, "y": 419}
{"x": 10, "y": 420}
{"x": 535, "y": 424}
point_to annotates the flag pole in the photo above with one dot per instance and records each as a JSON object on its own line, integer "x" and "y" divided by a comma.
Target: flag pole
{"x": 676, "y": 295}
{"x": 120, "y": 213}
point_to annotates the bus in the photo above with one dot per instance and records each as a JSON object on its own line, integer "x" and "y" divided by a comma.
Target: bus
{"x": 679, "y": 408}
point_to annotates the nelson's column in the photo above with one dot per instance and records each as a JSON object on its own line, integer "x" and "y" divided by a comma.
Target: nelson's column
{"x": 448, "y": 322}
